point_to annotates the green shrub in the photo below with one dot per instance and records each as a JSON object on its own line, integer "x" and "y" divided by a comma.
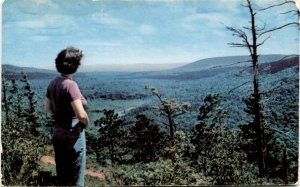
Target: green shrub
{"x": 172, "y": 170}
{"x": 22, "y": 143}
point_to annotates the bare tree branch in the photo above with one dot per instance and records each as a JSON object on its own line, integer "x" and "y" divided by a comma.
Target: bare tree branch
{"x": 287, "y": 56}
{"x": 160, "y": 122}
{"x": 263, "y": 41}
{"x": 261, "y": 29}
{"x": 237, "y": 32}
{"x": 239, "y": 86}
{"x": 296, "y": 12}
{"x": 241, "y": 34}
{"x": 277, "y": 130}
{"x": 179, "y": 114}
{"x": 237, "y": 45}
{"x": 277, "y": 28}
{"x": 245, "y": 5}
{"x": 226, "y": 65}
{"x": 276, "y": 5}
{"x": 243, "y": 70}
{"x": 247, "y": 28}
{"x": 270, "y": 91}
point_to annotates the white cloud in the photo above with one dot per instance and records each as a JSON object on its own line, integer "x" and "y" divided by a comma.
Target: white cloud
{"x": 59, "y": 20}
{"x": 47, "y": 21}
{"x": 232, "y": 5}
{"x": 49, "y": 3}
{"x": 109, "y": 20}
{"x": 209, "y": 21}
{"x": 32, "y": 24}
{"x": 142, "y": 54}
{"x": 146, "y": 29}
{"x": 212, "y": 17}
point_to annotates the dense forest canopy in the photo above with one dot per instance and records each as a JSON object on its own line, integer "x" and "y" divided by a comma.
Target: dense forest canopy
{"x": 208, "y": 117}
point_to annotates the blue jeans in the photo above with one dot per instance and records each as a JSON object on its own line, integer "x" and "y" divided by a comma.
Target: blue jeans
{"x": 70, "y": 154}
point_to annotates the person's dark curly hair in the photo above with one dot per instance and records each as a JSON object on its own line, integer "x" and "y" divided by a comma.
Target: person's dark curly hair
{"x": 68, "y": 60}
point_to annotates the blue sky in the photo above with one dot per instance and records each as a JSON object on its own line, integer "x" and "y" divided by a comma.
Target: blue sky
{"x": 133, "y": 31}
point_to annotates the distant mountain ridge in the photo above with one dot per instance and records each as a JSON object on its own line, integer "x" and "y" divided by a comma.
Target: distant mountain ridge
{"x": 14, "y": 72}
{"x": 196, "y": 70}
{"x": 13, "y": 68}
{"x": 200, "y": 65}
{"x": 233, "y": 61}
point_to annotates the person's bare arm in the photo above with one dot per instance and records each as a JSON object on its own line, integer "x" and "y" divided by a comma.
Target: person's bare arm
{"x": 47, "y": 105}
{"x": 80, "y": 112}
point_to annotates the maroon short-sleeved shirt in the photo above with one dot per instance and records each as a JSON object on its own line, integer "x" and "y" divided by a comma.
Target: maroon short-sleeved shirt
{"x": 61, "y": 92}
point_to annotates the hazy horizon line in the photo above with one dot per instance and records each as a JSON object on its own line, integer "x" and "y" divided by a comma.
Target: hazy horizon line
{"x": 130, "y": 67}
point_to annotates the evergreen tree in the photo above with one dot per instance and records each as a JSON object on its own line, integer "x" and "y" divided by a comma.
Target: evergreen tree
{"x": 201, "y": 136}
{"x": 22, "y": 144}
{"x": 30, "y": 113}
{"x": 283, "y": 119}
{"x": 146, "y": 140}
{"x": 17, "y": 105}
{"x": 252, "y": 38}
{"x": 217, "y": 148}
{"x": 111, "y": 137}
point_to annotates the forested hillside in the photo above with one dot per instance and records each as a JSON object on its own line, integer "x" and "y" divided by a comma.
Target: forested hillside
{"x": 188, "y": 126}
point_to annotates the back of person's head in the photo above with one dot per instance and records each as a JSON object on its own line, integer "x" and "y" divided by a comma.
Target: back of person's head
{"x": 68, "y": 60}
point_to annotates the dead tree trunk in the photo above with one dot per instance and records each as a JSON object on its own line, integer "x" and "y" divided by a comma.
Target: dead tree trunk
{"x": 252, "y": 39}
{"x": 258, "y": 109}
{"x": 259, "y": 123}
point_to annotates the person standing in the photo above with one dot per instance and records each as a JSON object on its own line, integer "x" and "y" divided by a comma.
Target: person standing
{"x": 65, "y": 101}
